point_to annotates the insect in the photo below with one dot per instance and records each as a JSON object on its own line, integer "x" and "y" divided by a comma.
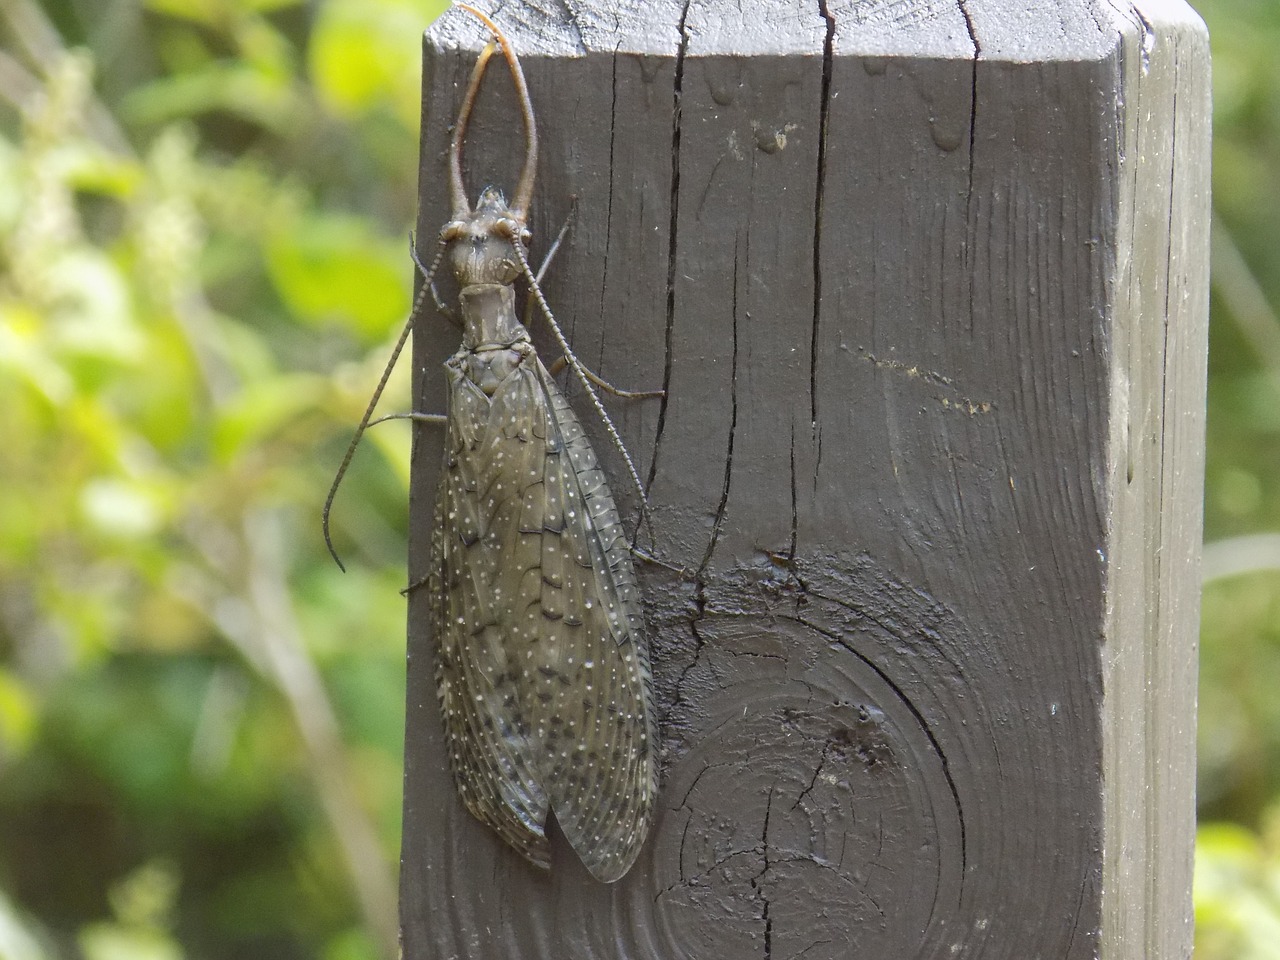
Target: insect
{"x": 542, "y": 662}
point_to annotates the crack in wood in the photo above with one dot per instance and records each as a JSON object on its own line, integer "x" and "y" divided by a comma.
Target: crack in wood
{"x": 674, "y": 226}
{"x": 824, "y": 110}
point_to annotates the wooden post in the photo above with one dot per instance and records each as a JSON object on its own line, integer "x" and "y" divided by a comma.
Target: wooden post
{"x": 926, "y": 283}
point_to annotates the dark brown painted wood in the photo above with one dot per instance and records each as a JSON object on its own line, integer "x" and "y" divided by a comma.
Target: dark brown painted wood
{"x": 926, "y": 284}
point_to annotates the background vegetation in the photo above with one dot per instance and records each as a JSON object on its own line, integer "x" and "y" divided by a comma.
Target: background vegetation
{"x": 203, "y": 211}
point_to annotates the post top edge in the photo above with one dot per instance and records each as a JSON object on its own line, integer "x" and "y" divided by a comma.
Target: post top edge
{"x": 1013, "y": 31}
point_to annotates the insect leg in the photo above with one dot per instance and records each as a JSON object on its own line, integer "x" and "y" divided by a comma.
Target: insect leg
{"x": 421, "y": 581}
{"x": 373, "y": 402}
{"x": 546, "y": 261}
{"x": 441, "y": 307}
{"x": 555, "y": 244}
{"x": 557, "y": 366}
{"x": 420, "y": 417}
{"x": 645, "y": 556}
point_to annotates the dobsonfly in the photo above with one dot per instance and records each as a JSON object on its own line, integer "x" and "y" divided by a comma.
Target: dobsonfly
{"x": 542, "y": 660}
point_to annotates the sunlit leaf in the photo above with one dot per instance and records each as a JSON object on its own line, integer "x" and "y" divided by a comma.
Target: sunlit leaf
{"x": 24, "y": 353}
{"x": 12, "y": 187}
{"x": 109, "y": 941}
{"x": 354, "y": 944}
{"x": 1237, "y": 895}
{"x": 332, "y": 268}
{"x": 18, "y": 718}
{"x": 263, "y": 408}
{"x": 261, "y": 97}
{"x": 90, "y": 168}
{"x": 94, "y": 311}
{"x": 145, "y": 898}
{"x": 201, "y": 11}
{"x": 365, "y": 52}
{"x": 17, "y": 941}
{"x": 263, "y": 46}
{"x": 121, "y": 508}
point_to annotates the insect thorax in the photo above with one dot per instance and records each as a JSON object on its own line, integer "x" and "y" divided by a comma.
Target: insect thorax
{"x": 494, "y": 342}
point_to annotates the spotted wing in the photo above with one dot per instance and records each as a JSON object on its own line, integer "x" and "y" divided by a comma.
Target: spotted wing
{"x": 543, "y": 666}
{"x": 592, "y": 697}
{"x": 488, "y": 738}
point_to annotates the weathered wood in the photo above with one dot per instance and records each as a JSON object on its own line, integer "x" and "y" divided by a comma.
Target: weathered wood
{"x": 926, "y": 284}
{"x": 1155, "y": 474}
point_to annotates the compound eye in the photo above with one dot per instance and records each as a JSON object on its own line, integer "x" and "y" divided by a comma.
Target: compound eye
{"x": 526, "y": 235}
{"x": 452, "y": 230}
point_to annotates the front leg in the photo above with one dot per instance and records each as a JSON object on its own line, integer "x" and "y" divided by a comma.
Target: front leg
{"x": 420, "y": 417}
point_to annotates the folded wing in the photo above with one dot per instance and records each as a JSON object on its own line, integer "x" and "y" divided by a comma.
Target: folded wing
{"x": 543, "y": 667}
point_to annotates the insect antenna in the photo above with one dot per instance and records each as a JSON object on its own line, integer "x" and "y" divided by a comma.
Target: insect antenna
{"x": 524, "y": 188}
{"x": 458, "y": 189}
{"x": 373, "y": 402}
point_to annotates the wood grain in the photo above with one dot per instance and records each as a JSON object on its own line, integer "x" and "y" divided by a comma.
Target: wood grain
{"x": 924, "y": 282}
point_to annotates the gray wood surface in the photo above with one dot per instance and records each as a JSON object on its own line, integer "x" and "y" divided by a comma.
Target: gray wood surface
{"x": 926, "y": 284}
{"x": 1155, "y": 473}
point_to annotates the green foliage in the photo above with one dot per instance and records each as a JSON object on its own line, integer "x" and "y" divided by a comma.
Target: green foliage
{"x": 17, "y": 941}
{"x": 1243, "y": 492}
{"x": 1238, "y": 867}
{"x": 1237, "y": 892}
{"x": 141, "y": 902}
{"x": 202, "y": 216}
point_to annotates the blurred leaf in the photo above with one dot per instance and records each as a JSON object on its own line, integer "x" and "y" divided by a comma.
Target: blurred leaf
{"x": 17, "y": 942}
{"x": 1237, "y": 895}
{"x": 122, "y": 509}
{"x": 12, "y": 192}
{"x": 260, "y": 97}
{"x": 105, "y": 941}
{"x": 367, "y": 52}
{"x": 350, "y": 945}
{"x": 213, "y": 12}
{"x": 90, "y": 168}
{"x": 142, "y": 903}
{"x": 93, "y": 312}
{"x": 17, "y": 722}
{"x": 1240, "y": 726}
{"x": 146, "y": 897}
{"x": 168, "y": 326}
{"x": 334, "y": 268}
{"x": 264, "y": 408}
{"x": 23, "y": 352}
{"x": 203, "y": 11}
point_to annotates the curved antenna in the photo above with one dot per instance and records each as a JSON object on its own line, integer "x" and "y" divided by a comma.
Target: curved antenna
{"x": 457, "y": 189}
{"x": 524, "y": 189}
{"x": 373, "y": 402}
